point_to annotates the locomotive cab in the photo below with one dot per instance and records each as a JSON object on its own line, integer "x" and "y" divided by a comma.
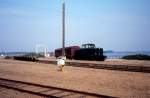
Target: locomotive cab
{"x": 88, "y": 46}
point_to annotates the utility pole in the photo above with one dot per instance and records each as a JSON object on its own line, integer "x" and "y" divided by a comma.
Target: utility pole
{"x": 63, "y": 27}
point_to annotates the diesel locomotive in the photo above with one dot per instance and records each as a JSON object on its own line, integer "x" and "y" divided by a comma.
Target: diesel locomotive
{"x": 86, "y": 52}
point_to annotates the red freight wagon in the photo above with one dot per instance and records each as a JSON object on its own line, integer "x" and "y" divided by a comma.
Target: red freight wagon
{"x": 69, "y": 51}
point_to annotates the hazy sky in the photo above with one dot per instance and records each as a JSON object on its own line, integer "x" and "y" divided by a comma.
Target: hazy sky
{"x": 121, "y": 25}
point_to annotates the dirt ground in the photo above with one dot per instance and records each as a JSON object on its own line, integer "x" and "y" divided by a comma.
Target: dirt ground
{"x": 120, "y": 84}
{"x": 142, "y": 63}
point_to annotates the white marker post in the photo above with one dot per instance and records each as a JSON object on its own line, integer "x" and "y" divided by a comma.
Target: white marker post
{"x": 60, "y": 63}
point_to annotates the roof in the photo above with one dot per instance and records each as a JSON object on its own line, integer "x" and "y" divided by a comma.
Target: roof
{"x": 69, "y": 47}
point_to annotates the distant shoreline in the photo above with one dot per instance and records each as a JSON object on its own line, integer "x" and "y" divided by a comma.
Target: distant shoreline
{"x": 109, "y": 54}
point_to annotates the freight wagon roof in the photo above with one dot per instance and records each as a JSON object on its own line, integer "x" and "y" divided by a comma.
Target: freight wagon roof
{"x": 72, "y": 47}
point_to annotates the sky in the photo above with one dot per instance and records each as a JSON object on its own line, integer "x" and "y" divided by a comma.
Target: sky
{"x": 119, "y": 25}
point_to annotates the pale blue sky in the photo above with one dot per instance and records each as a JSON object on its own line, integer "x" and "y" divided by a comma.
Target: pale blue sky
{"x": 121, "y": 25}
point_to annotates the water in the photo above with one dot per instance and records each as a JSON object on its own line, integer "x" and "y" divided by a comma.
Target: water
{"x": 12, "y": 53}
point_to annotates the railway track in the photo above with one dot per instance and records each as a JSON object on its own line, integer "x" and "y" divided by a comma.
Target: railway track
{"x": 46, "y": 91}
{"x": 103, "y": 66}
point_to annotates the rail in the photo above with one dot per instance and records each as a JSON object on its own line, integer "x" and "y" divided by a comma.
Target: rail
{"x": 46, "y": 91}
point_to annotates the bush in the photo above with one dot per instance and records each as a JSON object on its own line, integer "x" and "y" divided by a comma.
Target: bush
{"x": 137, "y": 57}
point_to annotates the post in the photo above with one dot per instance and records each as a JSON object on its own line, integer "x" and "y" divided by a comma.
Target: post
{"x": 45, "y": 52}
{"x": 36, "y": 49}
{"x": 63, "y": 28}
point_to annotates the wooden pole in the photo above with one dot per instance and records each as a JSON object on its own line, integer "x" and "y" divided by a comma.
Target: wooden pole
{"x": 63, "y": 28}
